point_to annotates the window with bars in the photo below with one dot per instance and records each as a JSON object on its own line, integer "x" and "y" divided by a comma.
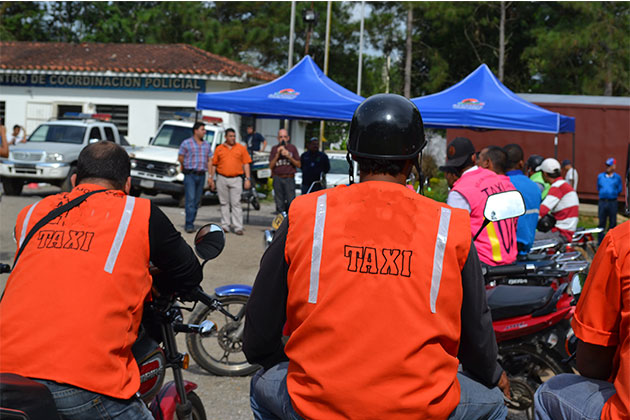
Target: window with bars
{"x": 2, "y": 108}
{"x": 119, "y": 113}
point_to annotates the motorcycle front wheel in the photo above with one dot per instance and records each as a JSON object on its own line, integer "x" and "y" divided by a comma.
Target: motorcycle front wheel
{"x": 527, "y": 368}
{"x": 222, "y": 352}
{"x": 198, "y": 412}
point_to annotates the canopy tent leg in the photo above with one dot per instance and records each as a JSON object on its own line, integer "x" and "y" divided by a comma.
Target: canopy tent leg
{"x": 555, "y": 145}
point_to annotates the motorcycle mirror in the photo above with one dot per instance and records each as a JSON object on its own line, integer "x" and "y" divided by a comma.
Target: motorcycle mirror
{"x": 501, "y": 206}
{"x": 209, "y": 241}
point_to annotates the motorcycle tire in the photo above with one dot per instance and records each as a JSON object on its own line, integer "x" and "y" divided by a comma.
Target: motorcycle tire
{"x": 222, "y": 352}
{"x": 527, "y": 368}
{"x": 198, "y": 412}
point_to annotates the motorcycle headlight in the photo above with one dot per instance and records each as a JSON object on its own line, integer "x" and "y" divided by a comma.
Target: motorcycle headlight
{"x": 54, "y": 157}
{"x": 134, "y": 163}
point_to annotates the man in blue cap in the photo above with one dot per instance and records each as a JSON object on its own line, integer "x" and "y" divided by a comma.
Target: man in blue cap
{"x": 609, "y": 186}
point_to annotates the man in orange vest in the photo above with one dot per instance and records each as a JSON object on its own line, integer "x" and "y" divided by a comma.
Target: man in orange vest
{"x": 380, "y": 292}
{"x": 73, "y": 303}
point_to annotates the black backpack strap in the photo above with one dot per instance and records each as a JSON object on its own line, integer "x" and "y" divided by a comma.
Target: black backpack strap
{"x": 51, "y": 216}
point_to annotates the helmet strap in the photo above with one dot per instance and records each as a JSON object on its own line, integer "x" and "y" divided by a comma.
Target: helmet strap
{"x": 416, "y": 163}
{"x": 350, "y": 168}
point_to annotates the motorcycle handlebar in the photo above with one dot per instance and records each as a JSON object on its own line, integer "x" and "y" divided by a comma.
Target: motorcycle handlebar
{"x": 199, "y": 295}
{"x": 508, "y": 270}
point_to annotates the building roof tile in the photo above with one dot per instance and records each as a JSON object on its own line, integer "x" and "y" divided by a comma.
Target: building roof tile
{"x": 125, "y": 58}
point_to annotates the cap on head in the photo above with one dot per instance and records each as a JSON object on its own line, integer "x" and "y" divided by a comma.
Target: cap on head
{"x": 549, "y": 166}
{"x": 611, "y": 161}
{"x": 458, "y": 152}
{"x": 386, "y": 126}
{"x": 566, "y": 162}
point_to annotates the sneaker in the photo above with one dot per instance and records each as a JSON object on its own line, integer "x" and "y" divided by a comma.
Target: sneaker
{"x": 226, "y": 230}
{"x": 190, "y": 230}
{"x": 239, "y": 232}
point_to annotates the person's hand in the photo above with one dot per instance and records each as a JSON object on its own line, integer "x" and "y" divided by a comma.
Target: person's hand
{"x": 247, "y": 184}
{"x": 211, "y": 184}
{"x": 504, "y": 385}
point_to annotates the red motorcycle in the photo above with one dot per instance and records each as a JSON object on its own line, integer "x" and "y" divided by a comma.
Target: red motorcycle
{"x": 155, "y": 351}
{"x": 531, "y": 324}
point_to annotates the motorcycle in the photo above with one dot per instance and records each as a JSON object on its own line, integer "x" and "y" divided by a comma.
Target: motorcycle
{"x": 532, "y": 324}
{"x": 155, "y": 350}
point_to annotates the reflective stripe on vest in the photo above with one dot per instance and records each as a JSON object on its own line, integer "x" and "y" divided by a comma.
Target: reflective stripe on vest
{"x": 316, "y": 254}
{"x": 438, "y": 256}
{"x": 25, "y": 224}
{"x": 120, "y": 234}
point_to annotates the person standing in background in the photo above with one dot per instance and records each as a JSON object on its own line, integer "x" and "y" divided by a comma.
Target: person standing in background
{"x": 4, "y": 145}
{"x": 194, "y": 158}
{"x": 314, "y": 165}
{"x": 609, "y": 187}
{"x": 284, "y": 160}
{"x": 255, "y": 141}
{"x": 570, "y": 174}
{"x": 230, "y": 162}
{"x": 18, "y": 135}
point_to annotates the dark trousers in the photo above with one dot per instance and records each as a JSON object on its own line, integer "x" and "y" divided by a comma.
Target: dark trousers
{"x": 193, "y": 187}
{"x": 606, "y": 209}
{"x": 283, "y": 192}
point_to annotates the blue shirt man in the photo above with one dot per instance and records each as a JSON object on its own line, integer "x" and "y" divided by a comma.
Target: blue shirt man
{"x": 609, "y": 186}
{"x": 526, "y": 227}
{"x": 255, "y": 141}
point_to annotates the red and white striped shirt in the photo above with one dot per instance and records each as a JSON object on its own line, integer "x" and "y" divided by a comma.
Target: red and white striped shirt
{"x": 563, "y": 204}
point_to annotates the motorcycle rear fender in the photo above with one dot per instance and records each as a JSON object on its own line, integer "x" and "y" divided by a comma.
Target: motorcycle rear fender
{"x": 523, "y": 326}
{"x": 167, "y": 399}
{"x": 233, "y": 289}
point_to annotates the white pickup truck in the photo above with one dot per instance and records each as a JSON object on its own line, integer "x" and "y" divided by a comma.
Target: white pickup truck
{"x": 51, "y": 152}
{"x": 155, "y": 168}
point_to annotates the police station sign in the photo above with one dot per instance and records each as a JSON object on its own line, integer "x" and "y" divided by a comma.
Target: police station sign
{"x": 103, "y": 82}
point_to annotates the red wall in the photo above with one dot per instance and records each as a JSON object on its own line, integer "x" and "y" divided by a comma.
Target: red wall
{"x": 601, "y": 131}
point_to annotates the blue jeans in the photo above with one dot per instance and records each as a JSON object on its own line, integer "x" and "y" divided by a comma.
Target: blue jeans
{"x": 606, "y": 209}
{"x": 572, "y": 397}
{"x": 270, "y": 400}
{"x": 193, "y": 187}
{"x": 78, "y": 404}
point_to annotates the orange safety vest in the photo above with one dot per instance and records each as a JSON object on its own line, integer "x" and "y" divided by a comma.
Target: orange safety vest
{"x": 374, "y": 303}
{"x": 73, "y": 304}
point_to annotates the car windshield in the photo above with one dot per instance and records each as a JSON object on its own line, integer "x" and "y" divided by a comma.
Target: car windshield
{"x": 173, "y": 135}
{"x": 72, "y": 134}
{"x": 338, "y": 166}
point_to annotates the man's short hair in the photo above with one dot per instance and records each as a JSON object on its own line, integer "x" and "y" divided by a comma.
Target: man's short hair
{"x": 497, "y": 156}
{"x": 514, "y": 155}
{"x": 197, "y": 125}
{"x": 16, "y": 126}
{"x": 230, "y": 130}
{"x": 380, "y": 166}
{"x": 104, "y": 160}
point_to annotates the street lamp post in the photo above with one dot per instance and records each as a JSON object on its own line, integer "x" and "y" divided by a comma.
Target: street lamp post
{"x": 309, "y": 17}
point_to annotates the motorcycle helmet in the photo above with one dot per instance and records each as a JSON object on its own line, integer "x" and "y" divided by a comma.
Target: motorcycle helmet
{"x": 386, "y": 126}
{"x": 534, "y": 162}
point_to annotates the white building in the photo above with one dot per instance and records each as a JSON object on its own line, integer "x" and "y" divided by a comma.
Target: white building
{"x": 140, "y": 85}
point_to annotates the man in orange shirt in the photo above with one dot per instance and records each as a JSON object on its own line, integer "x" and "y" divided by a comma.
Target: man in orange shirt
{"x": 230, "y": 162}
{"x": 602, "y": 323}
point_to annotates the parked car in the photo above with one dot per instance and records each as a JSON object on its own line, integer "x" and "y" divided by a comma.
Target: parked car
{"x": 51, "y": 152}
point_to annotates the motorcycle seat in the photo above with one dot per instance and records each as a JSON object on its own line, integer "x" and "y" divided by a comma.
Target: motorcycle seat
{"x": 513, "y": 301}
{"x": 27, "y": 396}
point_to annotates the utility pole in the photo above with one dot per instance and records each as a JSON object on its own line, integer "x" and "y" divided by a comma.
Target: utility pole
{"x": 291, "y": 36}
{"x": 361, "y": 49}
{"x": 328, "y": 17}
{"x": 407, "y": 88}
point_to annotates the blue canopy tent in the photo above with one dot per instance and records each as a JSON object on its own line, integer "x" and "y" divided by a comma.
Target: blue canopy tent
{"x": 480, "y": 101}
{"x": 304, "y": 92}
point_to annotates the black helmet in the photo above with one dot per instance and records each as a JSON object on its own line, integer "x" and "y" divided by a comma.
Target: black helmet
{"x": 534, "y": 162}
{"x": 386, "y": 126}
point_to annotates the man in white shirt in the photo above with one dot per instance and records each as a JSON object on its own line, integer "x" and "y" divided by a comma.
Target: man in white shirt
{"x": 570, "y": 174}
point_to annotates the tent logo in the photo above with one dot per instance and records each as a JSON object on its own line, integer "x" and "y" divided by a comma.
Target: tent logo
{"x": 469, "y": 103}
{"x": 287, "y": 93}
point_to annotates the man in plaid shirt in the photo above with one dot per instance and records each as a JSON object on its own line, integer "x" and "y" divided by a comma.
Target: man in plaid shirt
{"x": 195, "y": 159}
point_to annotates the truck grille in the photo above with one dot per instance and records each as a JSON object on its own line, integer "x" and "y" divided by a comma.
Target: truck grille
{"x": 152, "y": 166}
{"x": 27, "y": 156}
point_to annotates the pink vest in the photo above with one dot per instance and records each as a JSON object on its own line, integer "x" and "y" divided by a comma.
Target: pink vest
{"x": 496, "y": 245}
